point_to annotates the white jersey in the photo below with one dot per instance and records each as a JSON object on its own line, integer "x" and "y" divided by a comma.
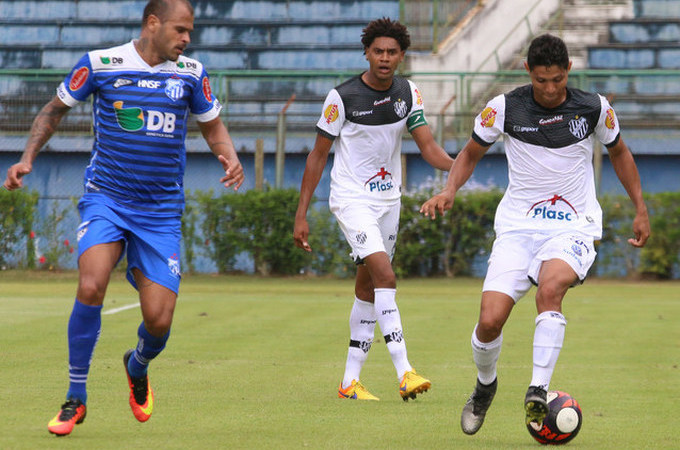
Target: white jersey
{"x": 369, "y": 125}
{"x": 551, "y": 183}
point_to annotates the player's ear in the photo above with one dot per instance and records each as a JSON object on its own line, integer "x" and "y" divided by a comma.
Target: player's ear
{"x": 153, "y": 22}
{"x": 526, "y": 66}
{"x": 569, "y": 66}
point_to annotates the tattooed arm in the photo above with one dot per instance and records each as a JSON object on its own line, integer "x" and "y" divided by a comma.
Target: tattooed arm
{"x": 44, "y": 125}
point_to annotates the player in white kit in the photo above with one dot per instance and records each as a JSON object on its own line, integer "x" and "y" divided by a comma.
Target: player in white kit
{"x": 366, "y": 117}
{"x": 549, "y": 216}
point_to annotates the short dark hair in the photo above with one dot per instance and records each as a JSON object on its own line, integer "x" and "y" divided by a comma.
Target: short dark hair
{"x": 161, "y": 9}
{"x": 386, "y": 27}
{"x": 548, "y": 50}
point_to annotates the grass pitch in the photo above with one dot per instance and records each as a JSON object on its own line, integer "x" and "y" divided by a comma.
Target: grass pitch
{"x": 255, "y": 363}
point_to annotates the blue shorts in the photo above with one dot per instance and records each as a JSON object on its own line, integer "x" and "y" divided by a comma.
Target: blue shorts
{"x": 152, "y": 243}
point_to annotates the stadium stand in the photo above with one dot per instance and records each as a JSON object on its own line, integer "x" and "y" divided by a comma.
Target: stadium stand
{"x": 650, "y": 40}
{"x": 233, "y": 34}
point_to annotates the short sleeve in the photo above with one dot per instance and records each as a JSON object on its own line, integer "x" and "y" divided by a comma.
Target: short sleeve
{"x": 333, "y": 116}
{"x": 489, "y": 123}
{"x": 607, "y": 129}
{"x": 204, "y": 105}
{"x": 78, "y": 84}
{"x": 416, "y": 117}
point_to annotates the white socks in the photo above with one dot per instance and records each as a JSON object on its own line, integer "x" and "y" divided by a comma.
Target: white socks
{"x": 361, "y": 326}
{"x": 548, "y": 339}
{"x": 485, "y": 355}
{"x": 390, "y": 325}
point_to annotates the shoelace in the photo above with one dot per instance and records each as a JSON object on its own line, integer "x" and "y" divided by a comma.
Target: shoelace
{"x": 68, "y": 410}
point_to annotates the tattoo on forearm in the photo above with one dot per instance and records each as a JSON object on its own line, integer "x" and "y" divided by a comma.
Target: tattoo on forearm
{"x": 44, "y": 126}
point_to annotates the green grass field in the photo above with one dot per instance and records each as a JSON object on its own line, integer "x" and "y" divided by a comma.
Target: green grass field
{"x": 255, "y": 363}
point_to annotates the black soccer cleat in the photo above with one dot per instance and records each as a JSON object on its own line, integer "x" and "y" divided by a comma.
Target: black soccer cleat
{"x": 475, "y": 408}
{"x": 536, "y": 405}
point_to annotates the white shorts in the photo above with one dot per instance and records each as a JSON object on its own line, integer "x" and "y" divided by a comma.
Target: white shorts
{"x": 516, "y": 259}
{"x": 368, "y": 228}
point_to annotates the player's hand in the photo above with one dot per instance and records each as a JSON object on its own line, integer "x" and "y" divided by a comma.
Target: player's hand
{"x": 641, "y": 230}
{"x": 233, "y": 172}
{"x": 441, "y": 202}
{"x": 301, "y": 233}
{"x": 15, "y": 174}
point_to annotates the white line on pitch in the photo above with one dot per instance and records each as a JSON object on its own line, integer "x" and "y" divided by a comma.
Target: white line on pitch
{"x": 122, "y": 308}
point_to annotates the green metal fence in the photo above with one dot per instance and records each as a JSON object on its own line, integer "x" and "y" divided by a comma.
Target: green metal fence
{"x": 256, "y": 101}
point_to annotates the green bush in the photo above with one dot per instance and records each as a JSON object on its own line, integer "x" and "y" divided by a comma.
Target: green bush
{"x": 260, "y": 224}
{"x": 17, "y": 216}
{"x": 449, "y": 245}
{"x": 659, "y": 258}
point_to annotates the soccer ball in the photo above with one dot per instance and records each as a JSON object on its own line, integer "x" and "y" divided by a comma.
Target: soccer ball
{"x": 562, "y": 423}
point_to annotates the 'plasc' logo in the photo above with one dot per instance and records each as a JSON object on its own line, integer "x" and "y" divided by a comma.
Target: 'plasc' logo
{"x": 550, "y": 209}
{"x": 379, "y": 182}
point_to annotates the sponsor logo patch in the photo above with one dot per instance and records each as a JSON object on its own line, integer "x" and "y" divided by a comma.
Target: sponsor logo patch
{"x": 610, "y": 121}
{"x": 381, "y": 102}
{"x": 331, "y": 113}
{"x": 206, "y": 89}
{"x": 488, "y": 117}
{"x": 554, "y": 208}
{"x": 79, "y": 78}
{"x": 419, "y": 98}
{"x": 379, "y": 182}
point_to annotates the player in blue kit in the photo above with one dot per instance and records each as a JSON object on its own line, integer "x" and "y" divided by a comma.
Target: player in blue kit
{"x": 143, "y": 92}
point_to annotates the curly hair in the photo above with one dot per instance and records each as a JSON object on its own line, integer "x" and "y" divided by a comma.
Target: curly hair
{"x": 386, "y": 27}
{"x": 548, "y": 50}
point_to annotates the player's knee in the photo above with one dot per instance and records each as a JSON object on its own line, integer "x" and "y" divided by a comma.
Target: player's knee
{"x": 549, "y": 296}
{"x": 489, "y": 328}
{"x": 91, "y": 291}
{"x": 158, "y": 326}
{"x": 384, "y": 279}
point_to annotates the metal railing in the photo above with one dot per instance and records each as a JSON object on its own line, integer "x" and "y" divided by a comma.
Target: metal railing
{"x": 254, "y": 101}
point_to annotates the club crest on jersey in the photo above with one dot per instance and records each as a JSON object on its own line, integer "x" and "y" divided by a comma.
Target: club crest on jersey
{"x": 400, "y": 108}
{"x": 554, "y": 208}
{"x": 379, "y": 182}
{"x": 174, "y": 88}
{"x": 488, "y": 117}
{"x": 576, "y": 251}
{"x": 578, "y": 126}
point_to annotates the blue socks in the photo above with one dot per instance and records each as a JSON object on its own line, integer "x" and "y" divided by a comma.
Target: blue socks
{"x": 147, "y": 349}
{"x": 84, "y": 328}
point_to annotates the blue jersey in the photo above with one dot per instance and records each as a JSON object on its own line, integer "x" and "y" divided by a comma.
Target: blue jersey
{"x": 140, "y": 115}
